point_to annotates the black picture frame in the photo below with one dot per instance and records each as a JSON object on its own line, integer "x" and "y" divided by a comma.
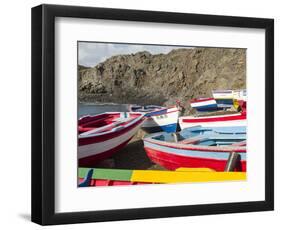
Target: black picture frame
{"x": 43, "y": 110}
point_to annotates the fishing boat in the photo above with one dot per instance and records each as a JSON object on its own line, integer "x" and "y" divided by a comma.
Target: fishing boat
{"x": 146, "y": 108}
{"x": 224, "y": 98}
{"x": 204, "y": 104}
{"x": 230, "y": 119}
{"x": 102, "y": 135}
{"x": 158, "y": 118}
{"x": 198, "y": 147}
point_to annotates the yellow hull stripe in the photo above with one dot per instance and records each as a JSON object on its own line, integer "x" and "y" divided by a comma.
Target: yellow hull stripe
{"x": 183, "y": 176}
{"x": 194, "y": 170}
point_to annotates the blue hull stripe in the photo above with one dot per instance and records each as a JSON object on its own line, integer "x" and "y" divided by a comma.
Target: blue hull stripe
{"x": 171, "y": 128}
{"x": 208, "y": 109}
{"x": 205, "y": 106}
{"x": 192, "y": 153}
{"x": 211, "y": 107}
{"x": 224, "y": 102}
{"x": 156, "y": 113}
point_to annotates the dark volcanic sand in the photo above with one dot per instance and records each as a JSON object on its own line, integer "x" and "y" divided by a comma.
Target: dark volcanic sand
{"x": 133, "y": 156}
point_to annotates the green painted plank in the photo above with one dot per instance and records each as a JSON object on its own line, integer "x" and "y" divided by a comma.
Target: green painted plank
{"x": 112, "y": 174}
{"x": 82, "y": 172}
{"x": 107, "y": 174}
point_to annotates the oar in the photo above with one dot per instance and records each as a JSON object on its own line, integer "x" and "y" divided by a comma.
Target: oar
{"x": 233, "y": 162}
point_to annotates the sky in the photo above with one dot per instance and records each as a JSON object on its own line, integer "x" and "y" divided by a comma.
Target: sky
{"x": 92, "y": 53}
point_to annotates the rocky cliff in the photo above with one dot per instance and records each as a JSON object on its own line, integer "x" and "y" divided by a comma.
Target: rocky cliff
{"x": 182, "y": 74}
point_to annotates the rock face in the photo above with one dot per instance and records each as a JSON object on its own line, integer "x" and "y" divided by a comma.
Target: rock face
{"x": 182, "y": 74}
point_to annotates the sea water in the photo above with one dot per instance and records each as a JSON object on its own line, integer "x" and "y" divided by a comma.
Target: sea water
{"x": 93, "y": 109}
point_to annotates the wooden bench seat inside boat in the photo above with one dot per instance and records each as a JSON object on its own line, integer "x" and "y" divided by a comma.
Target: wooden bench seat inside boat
{"x": 191, "y": 140}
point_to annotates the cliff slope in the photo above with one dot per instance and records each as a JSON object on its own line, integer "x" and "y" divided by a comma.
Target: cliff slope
{"x": 161, "y": 79}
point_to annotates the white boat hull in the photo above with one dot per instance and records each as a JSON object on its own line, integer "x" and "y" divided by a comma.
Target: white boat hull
{"x": 164, "y": 122}
{"x": 213, "y": 121}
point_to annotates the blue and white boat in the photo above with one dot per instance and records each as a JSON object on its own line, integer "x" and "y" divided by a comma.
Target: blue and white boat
{"x": 198, "y": 147}
{"x": 158, "y": 118}
{"x": 224, "y": 98}
{"x": 204, "y": 104}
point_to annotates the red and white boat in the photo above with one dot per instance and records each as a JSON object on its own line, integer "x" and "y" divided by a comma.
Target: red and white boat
{"x": 236, "y": 119}
{"x": 102, "y": 135}
{"x": 198, "y": 147}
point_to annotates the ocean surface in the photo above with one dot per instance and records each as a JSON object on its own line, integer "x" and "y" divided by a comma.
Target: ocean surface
{"x": 92, "y": 109}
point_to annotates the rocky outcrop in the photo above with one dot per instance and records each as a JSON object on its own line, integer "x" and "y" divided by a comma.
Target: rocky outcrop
{"x": 161, "y": 79}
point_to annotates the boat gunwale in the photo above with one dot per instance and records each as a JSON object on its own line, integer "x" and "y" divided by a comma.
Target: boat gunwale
{"x": 131, "y": 123}
{"x": 194, "y": 157}
{"x": 150, "y": 117}
{"x": 192, "y": 147}
{"x": 208, "y": 118}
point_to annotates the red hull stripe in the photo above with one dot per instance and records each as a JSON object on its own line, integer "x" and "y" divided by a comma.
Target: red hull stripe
{"x": 172, "y": 162}
{"x": 201, "y": 100}
{"x": 107, "y": 136}
{"x": 214, "y": 119}
{"x": 90, "y": 161}
{"x": 101, "y": 182}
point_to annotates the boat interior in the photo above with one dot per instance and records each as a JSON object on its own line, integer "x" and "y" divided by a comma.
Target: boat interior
{"x": 147, "y": 108}
{"x": 104, "y": 122}
{"x": 206, "y": 136}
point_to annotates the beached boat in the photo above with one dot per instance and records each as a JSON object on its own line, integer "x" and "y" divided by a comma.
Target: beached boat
{"x": 224, "y": 98}
{"x": 208, "y": 147}
{"x": 204, "y": 104}
{"x": 102, "y": 135}
{"x": 232, "y": 119}
{"x": 146, "y": 108}
{"x": 159, "y": 118}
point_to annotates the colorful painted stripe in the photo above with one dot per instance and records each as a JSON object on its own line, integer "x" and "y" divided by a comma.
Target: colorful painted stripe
{"x": 108, "y": 174}
{"x": 173, "y": 161}
{"x": 157, "y": 176}
{"x": 185, "y": 177}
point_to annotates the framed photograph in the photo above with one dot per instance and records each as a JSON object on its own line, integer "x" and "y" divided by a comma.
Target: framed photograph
{"x": 142, "y": 114}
